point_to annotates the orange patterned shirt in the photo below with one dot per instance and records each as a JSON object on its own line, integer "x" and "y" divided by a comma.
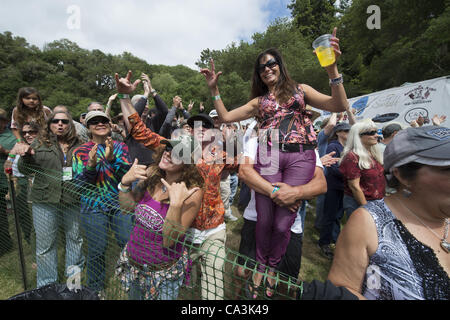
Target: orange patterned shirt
{"x": 212, "y": 210}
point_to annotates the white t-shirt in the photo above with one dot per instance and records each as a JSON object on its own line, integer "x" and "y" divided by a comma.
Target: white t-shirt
{"x": 250, "y": 149}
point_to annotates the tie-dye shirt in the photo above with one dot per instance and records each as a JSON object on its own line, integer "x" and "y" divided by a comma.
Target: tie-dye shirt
{"x": 98, "y": 187}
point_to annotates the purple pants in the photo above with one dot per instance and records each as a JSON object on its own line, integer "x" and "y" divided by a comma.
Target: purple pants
{"x": 274, "y": 222}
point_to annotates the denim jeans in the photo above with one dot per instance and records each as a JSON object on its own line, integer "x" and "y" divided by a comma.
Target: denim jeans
{"x": 320, "y": 201}
{"x": 333, "y": 212}
{"x": 302, "y": 213}
{"x": 46, "y": 219}
{"x": 350, "y": 205}
{"x": 234, "y": 181}
{"x": 168, "y": 290}
{"x": 96, "y": 226}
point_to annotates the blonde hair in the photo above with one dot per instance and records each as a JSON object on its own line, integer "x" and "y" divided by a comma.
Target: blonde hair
{"x": 354, "y": 144}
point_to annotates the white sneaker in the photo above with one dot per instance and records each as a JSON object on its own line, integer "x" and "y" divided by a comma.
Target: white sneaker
{"x": 229, "y": 216}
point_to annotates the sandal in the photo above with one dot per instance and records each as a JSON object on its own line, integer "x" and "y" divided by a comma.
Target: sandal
{"x": 251, "y": 290}
{"x": 270, "y": 289}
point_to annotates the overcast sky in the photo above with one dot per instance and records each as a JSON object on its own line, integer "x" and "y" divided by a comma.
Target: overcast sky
{"x": 168, "y": 32}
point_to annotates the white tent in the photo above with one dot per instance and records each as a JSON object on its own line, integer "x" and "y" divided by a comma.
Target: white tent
{"x": 404, "y": 104}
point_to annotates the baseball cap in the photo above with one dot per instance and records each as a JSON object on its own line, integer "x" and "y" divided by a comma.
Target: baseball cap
{"x": 427, "y": 145}
{"x": 213, "y": 113}
{"x": 94, "y": 114}
{"x": 342, "y": 126}
{"x": 206, "y": 120}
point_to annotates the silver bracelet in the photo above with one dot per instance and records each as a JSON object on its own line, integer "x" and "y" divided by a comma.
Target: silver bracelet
{"x": 336, "y": 81}
{"x": 122, "y": 188}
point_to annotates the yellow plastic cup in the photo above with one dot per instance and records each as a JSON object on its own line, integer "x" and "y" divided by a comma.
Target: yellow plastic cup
{"x": 324, "y": 50}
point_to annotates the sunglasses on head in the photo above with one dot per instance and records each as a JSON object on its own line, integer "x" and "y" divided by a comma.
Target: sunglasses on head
{"x": 270, "y": 64}
{"x": 64, "y": 121}
{"x": 369, "y": 133}
{"x": 96, "y": 121}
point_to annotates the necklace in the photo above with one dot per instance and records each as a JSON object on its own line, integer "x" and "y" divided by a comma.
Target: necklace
{"x": 444, "y": 243}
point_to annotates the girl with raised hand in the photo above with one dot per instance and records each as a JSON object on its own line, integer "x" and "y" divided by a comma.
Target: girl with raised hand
{"x": 165, "y": 203}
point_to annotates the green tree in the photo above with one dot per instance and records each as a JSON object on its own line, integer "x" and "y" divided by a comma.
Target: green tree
{"x": 412, "y": 44}
{"x": 314, "y": 18}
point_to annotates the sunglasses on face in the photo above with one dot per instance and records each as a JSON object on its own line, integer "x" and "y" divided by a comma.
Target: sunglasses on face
{"x": 369, "y": 133}
{"x": 95, "y": 122}
{"x": 169, "y": 149}
{"x": 270, "y": 64}
{"x": 64, "y": 121}
{"x": 83, "y": 115}
{"x": 30, "y": 132}
{"x": 205, "y": 125}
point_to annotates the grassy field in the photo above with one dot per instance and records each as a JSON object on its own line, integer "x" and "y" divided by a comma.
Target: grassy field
{"x": 314, "y": 265}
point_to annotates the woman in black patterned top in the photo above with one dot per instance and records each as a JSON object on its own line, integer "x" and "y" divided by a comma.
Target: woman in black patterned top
{"x": 398, "y": 247}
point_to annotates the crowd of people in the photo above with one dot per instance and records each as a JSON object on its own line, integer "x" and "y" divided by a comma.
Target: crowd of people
{"x": 163, "y": 181}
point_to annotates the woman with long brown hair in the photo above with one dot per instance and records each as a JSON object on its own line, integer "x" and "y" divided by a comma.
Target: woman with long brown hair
{"x": 165, "y": 203}
{"x": 49, "y": 157}
{"x": 279, "y": 105}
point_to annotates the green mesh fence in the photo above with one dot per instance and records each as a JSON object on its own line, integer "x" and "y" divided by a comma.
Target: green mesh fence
{"x": 62, "y": 244}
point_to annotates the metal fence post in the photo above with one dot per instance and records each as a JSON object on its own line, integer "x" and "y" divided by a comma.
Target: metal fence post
{"x": 12, "y": 193}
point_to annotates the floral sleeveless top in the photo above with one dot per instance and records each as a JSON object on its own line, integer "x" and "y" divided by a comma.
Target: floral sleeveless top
{"x": 291, "y": 118}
